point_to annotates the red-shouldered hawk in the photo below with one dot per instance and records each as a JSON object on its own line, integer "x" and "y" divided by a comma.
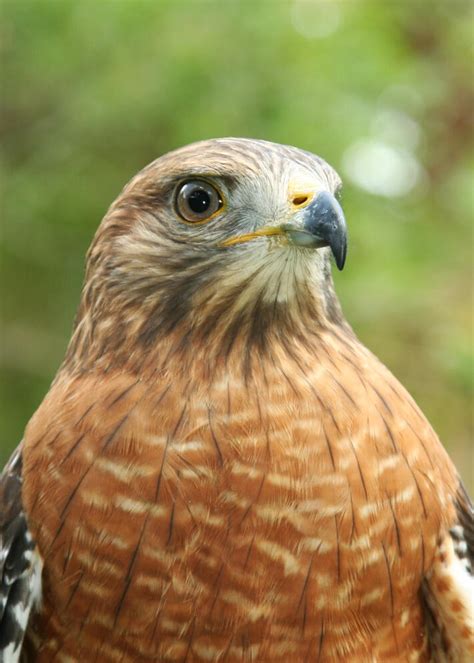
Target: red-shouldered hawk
{"x": 221, "y": 471}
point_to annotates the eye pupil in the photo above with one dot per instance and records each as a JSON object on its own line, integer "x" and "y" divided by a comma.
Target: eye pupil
{"x": 199, "y": 201}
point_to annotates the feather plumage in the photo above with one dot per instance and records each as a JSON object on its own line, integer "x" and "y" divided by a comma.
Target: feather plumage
{"x": 221, "y": 470}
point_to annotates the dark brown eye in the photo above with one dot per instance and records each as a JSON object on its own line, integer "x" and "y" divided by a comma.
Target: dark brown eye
{"x": 197, "y": 201}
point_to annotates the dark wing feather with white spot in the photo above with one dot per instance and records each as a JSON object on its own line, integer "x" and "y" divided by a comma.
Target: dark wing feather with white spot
{"x": 465, "y": 532}
{"x": 20, "y": 564}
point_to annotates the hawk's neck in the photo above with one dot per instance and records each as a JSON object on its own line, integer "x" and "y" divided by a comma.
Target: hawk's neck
{"x": 244, "y": 312}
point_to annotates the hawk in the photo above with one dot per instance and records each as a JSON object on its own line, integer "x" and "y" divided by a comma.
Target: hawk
{"x": 221, "y": 471}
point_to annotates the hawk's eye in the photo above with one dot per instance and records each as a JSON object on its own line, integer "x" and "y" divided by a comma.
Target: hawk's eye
{"x": 197, "y": 201}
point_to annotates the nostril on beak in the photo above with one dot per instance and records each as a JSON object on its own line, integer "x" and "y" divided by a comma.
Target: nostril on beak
{"x": 300, "y": 200}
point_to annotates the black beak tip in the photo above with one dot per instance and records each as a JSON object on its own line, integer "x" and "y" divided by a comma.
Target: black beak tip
{"x": 340, "y": 255}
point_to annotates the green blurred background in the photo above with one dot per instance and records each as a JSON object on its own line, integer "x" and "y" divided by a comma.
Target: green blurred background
{"x": 92, "y": 91}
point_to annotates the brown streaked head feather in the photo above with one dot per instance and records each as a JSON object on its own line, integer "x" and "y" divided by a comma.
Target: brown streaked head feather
{"x": 149, "y": 275}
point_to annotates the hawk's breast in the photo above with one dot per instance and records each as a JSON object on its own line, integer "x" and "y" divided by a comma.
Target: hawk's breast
{"x": 269, "y": 517}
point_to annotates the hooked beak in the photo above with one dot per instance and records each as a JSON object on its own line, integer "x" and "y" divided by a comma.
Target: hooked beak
{"x": 321, "y": 223}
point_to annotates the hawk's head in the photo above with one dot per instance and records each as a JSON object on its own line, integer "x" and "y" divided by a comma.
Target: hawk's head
{"x": 222, "y": 239}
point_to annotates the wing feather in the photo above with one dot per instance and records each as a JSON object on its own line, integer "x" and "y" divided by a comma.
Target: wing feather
{"x": 20, "y": 564}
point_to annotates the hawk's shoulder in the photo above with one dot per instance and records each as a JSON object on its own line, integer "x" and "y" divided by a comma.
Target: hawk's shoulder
{"x": 448, "y": 589}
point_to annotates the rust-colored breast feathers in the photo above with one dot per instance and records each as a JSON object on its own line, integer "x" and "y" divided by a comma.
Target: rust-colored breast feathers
{"x": 272, "y": 519}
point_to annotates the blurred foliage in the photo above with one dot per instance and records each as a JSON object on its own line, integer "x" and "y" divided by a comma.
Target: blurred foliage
{"x": 93, "y": 90}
